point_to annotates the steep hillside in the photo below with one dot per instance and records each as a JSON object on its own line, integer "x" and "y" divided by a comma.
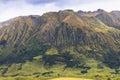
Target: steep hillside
{"x": 63, "y": 37}
{"x": 63, "y": 29}
{"x": 111, "y": 19}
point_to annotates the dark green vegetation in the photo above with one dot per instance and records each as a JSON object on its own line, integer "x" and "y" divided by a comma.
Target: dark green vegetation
{"x": 64, "y": 43}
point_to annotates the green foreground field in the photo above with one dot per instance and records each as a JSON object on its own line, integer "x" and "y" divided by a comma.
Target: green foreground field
{"x": 70, "y": 79}
{"x": 34, "y": 71}
{"x": 48, "y": 78}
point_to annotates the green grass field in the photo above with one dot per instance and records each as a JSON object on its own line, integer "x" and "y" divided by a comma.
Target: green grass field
{"x": 36, "y": 71}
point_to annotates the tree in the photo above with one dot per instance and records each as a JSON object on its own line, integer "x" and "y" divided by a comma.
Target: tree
{"x": 112, "y": 60}
{"x": 3, "y": 42}
{"x": 78, "y": 60}
{"x": 74, "y": 60}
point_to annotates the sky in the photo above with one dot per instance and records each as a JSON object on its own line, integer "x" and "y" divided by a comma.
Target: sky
{"x": 13, "y": 8}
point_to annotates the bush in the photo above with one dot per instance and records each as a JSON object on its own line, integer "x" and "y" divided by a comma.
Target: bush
{"x": 84, "y": 71}
{"x": 100, "y": 66}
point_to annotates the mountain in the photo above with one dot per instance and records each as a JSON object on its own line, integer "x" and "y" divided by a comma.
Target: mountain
{"x": 61, "y": 37}
{"x": 109, "y": 18}
{"x": 90, "y": 13}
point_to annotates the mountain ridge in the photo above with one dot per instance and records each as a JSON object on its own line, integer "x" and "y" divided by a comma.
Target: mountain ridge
{"x": 63, "y": 31}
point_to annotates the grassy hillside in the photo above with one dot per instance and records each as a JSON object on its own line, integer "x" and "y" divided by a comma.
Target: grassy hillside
{"x": 61, "y": 44}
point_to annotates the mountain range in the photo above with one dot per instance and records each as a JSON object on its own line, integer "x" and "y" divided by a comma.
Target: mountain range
{"x": 55, "y": 36}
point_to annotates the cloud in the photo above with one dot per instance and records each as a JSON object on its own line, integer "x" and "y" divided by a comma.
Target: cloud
{"x": 13, "y": 8}
{"x": 60, "y": 2}
{"x": 16, "y": 8}
{"x": 41, "y": 1}
{"x": 31, "y": 1}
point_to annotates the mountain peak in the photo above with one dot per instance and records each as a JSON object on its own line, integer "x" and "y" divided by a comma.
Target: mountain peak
{"x": 100, "y": 10}
{"x": 67, "y": 10}
{"x": 90, "y": 13}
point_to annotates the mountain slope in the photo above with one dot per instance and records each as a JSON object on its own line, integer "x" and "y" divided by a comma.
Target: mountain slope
{"x": 110, "y": 19}
{"x": 55, "y": 34}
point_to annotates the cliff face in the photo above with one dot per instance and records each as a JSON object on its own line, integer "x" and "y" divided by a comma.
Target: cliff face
{"x": 87, "y": 34}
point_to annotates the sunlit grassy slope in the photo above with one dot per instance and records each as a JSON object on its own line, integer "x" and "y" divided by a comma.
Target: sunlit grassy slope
{"x": 70, "y": 79}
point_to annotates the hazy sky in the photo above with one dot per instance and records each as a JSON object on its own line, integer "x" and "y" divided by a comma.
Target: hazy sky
{"x": 13, "y": 8}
